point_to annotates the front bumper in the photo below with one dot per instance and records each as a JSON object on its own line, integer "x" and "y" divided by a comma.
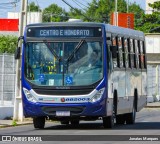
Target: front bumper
{"x": 80, "y": 109}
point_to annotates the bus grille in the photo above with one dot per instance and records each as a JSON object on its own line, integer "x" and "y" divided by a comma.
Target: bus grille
{"x": 73, "y": 110}
{"x": 63, "y": 92}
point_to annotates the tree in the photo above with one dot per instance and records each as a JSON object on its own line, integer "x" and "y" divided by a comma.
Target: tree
{"x": 151, "y": 22}
{"x": 54, "y": 13}
{"x": 138, "y": 14}
{"x": 100, "y": 10}
{"x": 33, "y": 8}
{"x": 155, "y": 5}
{"x": 76, "y": 13}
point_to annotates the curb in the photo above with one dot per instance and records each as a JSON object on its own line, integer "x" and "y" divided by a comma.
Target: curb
{"x": 152, "y": 106}
{"x": 10, "y": 125}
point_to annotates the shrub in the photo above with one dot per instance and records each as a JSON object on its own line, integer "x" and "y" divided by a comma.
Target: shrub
{"x": 8, "y": 44}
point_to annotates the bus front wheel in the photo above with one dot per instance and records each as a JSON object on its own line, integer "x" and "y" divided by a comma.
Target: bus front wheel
{"x": 39, "y": 122}
{"x": 108, "y": 122}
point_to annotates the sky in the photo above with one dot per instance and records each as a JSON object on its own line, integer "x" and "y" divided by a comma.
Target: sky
{"x": 4, "y": 8}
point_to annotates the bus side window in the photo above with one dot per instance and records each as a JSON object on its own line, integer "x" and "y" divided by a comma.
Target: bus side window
{"x": 131, "y": 54}
{"x": 120, "y": 52}
{"x": 142, "y": 56}
{"x": 140, "y": 53}
{"x": 144, "y": 52}
{"x": 136, "y": 53}
{"x": 126, "y": 54}
{"x": 115, "y": 60}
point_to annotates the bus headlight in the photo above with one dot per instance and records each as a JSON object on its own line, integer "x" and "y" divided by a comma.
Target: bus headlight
{"x": 97, "y": 96}
{"x": 29, "y": 96}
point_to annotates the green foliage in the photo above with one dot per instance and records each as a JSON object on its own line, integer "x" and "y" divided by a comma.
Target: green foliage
{"x": 99, "y": 11}
{"x": 33, "y": 8}
{"x": 151, "y": 21}
{"x": 75, "y": 14}
{"x": 138, "y": 14}
{"x": 54, "y": 13}
{"x": 155, "y": 5}
{"x": 14, "y": 123}
{"x": 8, "y": 44}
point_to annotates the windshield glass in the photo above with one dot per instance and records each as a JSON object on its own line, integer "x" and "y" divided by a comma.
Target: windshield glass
{"x": 63, "y": 63}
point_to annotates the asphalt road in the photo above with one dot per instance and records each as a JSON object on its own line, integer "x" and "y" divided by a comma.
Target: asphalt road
{"x": 147, "y": 124}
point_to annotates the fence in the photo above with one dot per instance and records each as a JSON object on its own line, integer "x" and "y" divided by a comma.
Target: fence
{"x": 7, "y": 79}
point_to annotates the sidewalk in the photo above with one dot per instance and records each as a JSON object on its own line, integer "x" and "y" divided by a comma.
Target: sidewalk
{"x": 153, "y": 105}
{"x": 10, "y": 123}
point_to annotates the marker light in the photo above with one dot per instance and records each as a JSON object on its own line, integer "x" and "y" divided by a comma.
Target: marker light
{"x": 29, "y": 96}
{"x": 97, "y": 96}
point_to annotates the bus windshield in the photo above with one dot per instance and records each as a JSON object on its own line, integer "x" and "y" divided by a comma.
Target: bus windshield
{"x": 57, "y": 63}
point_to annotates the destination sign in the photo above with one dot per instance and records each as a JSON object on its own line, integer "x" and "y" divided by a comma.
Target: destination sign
{"x": 64, "y": 32}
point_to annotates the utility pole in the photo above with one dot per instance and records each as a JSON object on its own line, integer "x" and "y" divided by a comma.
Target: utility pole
{"x": 18, "y": 111}
{"x": 127, "y": 6}
{"x": 116, "y": 14}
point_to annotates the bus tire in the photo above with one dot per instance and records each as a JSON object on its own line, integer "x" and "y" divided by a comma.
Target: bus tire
{"x": 120, "y": 119}
{"x": 75, "y": 122}
{"x": 65, "y": 122}
{"x": 108, "y": 122}
{"x": 130, "y": 117}
{"x": 39, "y": 122}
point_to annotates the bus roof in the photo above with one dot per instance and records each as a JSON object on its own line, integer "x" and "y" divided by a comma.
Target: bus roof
{"x": 124, "y": 31}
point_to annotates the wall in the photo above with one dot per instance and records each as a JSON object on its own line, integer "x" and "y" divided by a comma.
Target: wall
{"x": 153, "y": 62}
{"x": 32, "y": 17}
{"x": 153, "y": 43}
{"x": 125, "y": 20}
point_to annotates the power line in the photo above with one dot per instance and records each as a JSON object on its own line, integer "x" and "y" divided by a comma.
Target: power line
{"x": 76, "y": 10}
{"x": 77, "y": 3}
{"x": 8, "y": 3}
{"x": 38, "y": 5}
{"x": 81, "y": 4}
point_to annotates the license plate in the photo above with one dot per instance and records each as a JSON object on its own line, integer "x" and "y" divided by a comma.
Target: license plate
{"x": 62, "y": 113}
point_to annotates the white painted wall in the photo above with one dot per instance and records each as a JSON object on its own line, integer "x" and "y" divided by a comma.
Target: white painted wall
{"x": 6, "y": 111}
{"x": 153, "y": 43}
{"x": 32, "y": 17}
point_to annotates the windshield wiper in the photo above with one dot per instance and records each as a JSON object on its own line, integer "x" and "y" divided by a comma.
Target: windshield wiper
{"x": 75, "y": 50}
{"x": 52, "y": 51}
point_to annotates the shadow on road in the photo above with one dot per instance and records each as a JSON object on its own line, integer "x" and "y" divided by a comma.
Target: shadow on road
{"x": 99, "y": 126}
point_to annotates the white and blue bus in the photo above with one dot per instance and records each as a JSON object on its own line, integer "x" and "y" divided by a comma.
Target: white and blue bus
{"x": 76, "y": 71}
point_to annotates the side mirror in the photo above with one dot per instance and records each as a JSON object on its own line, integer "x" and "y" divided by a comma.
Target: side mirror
{"x": 17, "y": 53}
{"x": 18, "y": 50}
{"x": 113, "y": 50}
